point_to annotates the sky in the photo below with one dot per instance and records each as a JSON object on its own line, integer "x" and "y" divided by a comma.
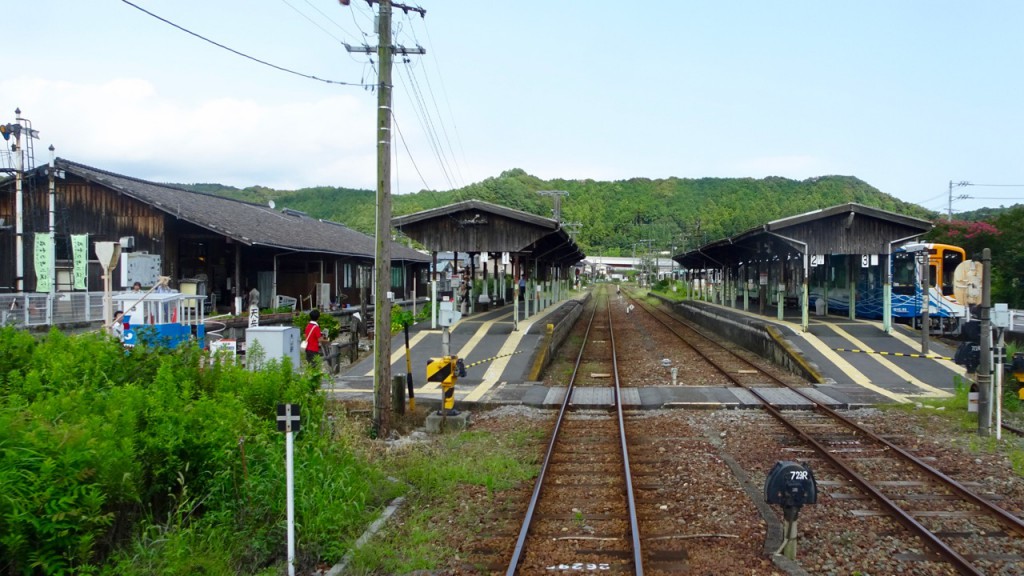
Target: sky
{"x": 907, "y": 96}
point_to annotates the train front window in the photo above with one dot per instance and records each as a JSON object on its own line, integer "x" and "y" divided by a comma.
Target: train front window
{"x": 950, "y": 260}
{"x": 904, "y": 273}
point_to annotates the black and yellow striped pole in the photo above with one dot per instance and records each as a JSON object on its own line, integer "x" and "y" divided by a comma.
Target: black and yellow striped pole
{"x": 408, "y": 369}
{"x": 446, "y": 370}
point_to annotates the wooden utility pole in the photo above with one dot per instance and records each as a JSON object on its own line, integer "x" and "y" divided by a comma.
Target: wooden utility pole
{"x": 382, "y": 296}
{"x": 557, "y": 196}
{"x": 381, "y": 302}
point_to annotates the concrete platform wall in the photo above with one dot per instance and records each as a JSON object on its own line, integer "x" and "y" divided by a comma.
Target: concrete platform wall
{"x": 545, "y": 351}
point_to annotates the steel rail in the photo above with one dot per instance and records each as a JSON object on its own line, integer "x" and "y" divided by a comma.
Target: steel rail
{"x": 517, "y": 553}
{"x": 1013, "y": 429}
{"x": 633, "y": 522}
{"x": 933, "y": 541}
{"x": 520, "y": 549}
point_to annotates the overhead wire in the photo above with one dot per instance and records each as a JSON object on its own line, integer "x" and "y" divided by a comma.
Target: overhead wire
{"x": 405, "y": 145}
{"x": 425, "y": 121}
{"x": 452, "y": 159}
{"x": 311, "y": 21}
{"x": 242, "y": 54}
{"x": 447, "y": 100}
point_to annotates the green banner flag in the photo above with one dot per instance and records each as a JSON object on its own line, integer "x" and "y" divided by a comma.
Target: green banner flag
{"x": 43, "y": 251}
{"x": 80, "y": 257}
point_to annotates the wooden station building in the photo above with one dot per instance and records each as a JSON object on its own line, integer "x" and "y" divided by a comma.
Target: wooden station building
{"x": 224, "y": 246}
{"x": 833, "y": 256}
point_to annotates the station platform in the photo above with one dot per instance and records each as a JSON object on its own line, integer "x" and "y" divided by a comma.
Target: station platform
{"x": 844, "y": 379}
{"x": 856, "y": 360}
{"x": 478, "y": 337}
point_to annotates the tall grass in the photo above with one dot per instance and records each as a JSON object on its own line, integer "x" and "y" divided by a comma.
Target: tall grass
{"x": 157, "y": 461}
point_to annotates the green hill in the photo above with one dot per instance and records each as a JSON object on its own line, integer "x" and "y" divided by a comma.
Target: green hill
{"x": 674, "y": 213}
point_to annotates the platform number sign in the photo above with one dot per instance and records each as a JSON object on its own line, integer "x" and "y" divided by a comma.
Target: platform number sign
{"x": 817, "y": 260}
{"x": 288, "y": 418}
{"x": 865, "y": 260}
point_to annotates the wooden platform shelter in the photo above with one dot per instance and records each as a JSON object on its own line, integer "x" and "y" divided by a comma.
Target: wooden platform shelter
{"x": 842, "y": 248}
{"x": 505, "y": 245}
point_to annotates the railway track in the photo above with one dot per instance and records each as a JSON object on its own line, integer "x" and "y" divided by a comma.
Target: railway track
{"x": 961, "y": 528}
{"x": 736, "y": 369}
{"x": 582, "y": 513}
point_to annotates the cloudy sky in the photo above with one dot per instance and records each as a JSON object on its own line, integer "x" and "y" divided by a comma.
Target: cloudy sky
{"x": 907, "y": 96}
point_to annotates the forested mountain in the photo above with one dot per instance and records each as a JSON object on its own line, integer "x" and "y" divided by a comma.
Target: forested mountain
{"x": 673, "y": 213}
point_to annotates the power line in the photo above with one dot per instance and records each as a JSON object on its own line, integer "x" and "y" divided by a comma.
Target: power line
{"x": 242, "y": 54}
{"x": 997, "y": 185}
{"x": 409, "y": 153}
{"x": 992, "y": 198}
{"x": 428, "y": 127}
{"x": 448, "y": 103}
{"x": 444, "y": 130}
{"x": 311, "y": 21}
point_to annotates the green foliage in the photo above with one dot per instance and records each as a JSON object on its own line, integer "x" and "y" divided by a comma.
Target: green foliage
{"x": 329, "y": 324}
{"x": 424, "y": 312}
{"x": 482, "y": 459}
{"x": 400, "y": 317}
{"x": 673, "y": 212}
{"x": 1004, "y": 236}
{"x": 132, "y": 462}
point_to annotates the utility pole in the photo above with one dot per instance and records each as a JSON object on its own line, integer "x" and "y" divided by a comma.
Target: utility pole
{"x": 557, "y": 195}
{"x": 382, "y": 261}
{"x": 949, "y": 213}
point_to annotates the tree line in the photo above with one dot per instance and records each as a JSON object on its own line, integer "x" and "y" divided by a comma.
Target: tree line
{"x": 669, "y": 215}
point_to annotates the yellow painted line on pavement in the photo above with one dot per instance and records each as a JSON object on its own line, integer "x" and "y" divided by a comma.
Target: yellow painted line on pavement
{"x": 889, "y": 365}
{"x": 855, "y": 375}
{"x": 399, "y": 353}
{"x": 470, "y": 345}
{"x": 914, "y": 344}
{"x": 497, "y": 367}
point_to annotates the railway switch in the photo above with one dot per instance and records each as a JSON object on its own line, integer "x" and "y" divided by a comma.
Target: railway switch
{"x": 446, "y": 370}
{"x": 790, "y": 485}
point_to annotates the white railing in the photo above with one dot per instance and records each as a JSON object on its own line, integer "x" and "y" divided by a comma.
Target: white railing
{"x": 44, "y": 309}
{"x": 1016, "y": 321}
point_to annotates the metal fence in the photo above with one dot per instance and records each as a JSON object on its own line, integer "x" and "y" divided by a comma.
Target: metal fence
{"x": 30, "y": 309}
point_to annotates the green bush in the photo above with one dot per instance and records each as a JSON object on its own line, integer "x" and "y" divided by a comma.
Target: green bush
{"x": 160, "y": 461}
{"x": 399, "y": 317}
{"x": 328, "y": 323}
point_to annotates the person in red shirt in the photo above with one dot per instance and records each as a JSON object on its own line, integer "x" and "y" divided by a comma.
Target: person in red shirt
{"x": 314, "y": 337}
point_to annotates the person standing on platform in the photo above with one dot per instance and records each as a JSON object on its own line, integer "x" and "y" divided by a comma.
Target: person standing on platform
{"x": 314, "y": 337}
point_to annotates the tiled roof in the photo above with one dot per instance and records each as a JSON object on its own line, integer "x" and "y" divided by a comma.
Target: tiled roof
{"x": 251, "y": 224}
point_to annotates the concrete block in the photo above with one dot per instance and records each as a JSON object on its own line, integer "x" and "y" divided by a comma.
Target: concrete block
{"x": 436, "y": 423}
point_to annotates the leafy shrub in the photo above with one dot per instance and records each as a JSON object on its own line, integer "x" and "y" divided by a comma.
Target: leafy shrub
{"x": 328, "y": 324}
{"x": 399, "y": 317}
{"x": 160, "y": 461}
